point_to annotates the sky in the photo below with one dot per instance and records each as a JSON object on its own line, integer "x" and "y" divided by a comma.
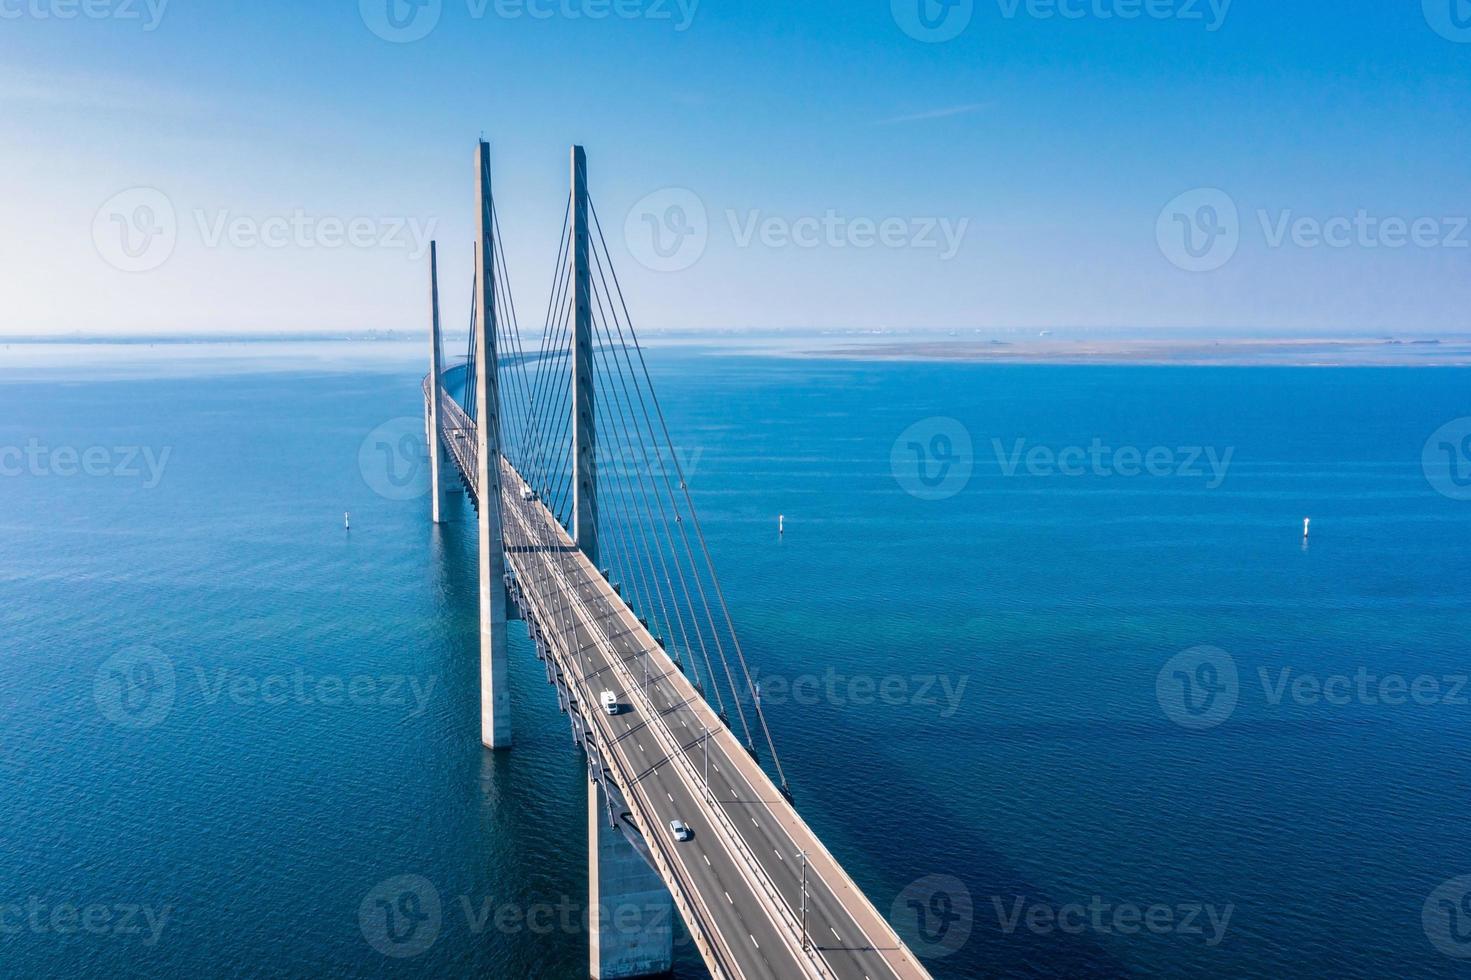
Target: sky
{"x": 1284, "y": 166}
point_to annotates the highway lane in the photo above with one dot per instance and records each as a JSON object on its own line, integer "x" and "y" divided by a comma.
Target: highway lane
{"x": 853, "y": 941}
{"x": 728, "y": 901}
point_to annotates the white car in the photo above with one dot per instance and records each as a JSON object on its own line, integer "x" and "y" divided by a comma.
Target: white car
{"x": 680, "y": 830}
{"x": 610, "y": 703}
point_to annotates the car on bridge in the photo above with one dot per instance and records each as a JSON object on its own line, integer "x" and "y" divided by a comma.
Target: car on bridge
{"x": 610, "y": 703}
{"x": 681, "y": 830}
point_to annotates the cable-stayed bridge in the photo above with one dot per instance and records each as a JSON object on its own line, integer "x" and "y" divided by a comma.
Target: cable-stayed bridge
{"x": 588, "y": 533}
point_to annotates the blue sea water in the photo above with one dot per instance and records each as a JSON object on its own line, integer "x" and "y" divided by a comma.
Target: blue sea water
{"x": 1036, "y": 744}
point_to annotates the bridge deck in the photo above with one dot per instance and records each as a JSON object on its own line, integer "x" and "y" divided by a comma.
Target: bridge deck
{"x": 738, "y": 883}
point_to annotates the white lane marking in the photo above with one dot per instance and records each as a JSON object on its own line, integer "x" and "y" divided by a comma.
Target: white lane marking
{"x": 671, "y": 799}
{"x": 729, "y": 899}
{"x": 707, "y": 860}
{"x": 778, "y": 854}
{"x": 835, "y": 933}
{"x": 753, "y": 940}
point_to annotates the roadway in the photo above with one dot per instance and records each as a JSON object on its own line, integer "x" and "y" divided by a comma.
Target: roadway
{"x": 740, "y": 875}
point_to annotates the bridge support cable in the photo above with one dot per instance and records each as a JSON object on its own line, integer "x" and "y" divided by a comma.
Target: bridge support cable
{"x": 519, "y": 388}
{"x": 618, "y": 513}
{"x": 643, "y": 373}
{"x": 654, "y": 463}
{"x": 616, "y": 396}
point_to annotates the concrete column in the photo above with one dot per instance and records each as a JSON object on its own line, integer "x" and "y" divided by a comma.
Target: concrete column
{"x": 436, "y": 369}
{"x": 495, "y": 694}
{"x": 584, "y": 429}
{"x": 631, "y": 928}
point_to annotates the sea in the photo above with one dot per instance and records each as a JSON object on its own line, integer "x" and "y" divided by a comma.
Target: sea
{"x": 1050, "y": 663}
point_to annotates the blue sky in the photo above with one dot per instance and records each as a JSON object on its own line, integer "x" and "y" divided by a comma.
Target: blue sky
{"x": 831, "y": 164}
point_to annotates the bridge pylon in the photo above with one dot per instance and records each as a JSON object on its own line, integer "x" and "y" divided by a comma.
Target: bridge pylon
{"x": 437, "y": 457}
{"x": 584, "y": 393}
{"x": 495, "y": 694}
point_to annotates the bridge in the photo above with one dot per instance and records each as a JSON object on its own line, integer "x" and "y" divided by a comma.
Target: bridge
{"x": 588, "y": 533}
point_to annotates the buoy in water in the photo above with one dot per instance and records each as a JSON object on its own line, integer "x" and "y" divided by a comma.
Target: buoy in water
{"x": 781, "y": 524}
{"x": 346, "y": 521}
{"x": 1307, "y": 523}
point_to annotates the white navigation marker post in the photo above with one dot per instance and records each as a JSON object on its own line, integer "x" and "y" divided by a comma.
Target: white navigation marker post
{"x": 495, "y": 694}
{"x": 436, "y": 450}
{"x": 1307, "y": 523}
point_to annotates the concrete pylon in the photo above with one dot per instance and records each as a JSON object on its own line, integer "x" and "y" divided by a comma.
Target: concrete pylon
{"x": 495, "y": 694}
{"x": 631, "y": 920}
{"x": 584, "y": 400}
{"x": 437, "y": 458}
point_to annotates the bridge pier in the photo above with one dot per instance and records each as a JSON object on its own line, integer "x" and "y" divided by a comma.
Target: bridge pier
{"x": 631, "y": 913}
